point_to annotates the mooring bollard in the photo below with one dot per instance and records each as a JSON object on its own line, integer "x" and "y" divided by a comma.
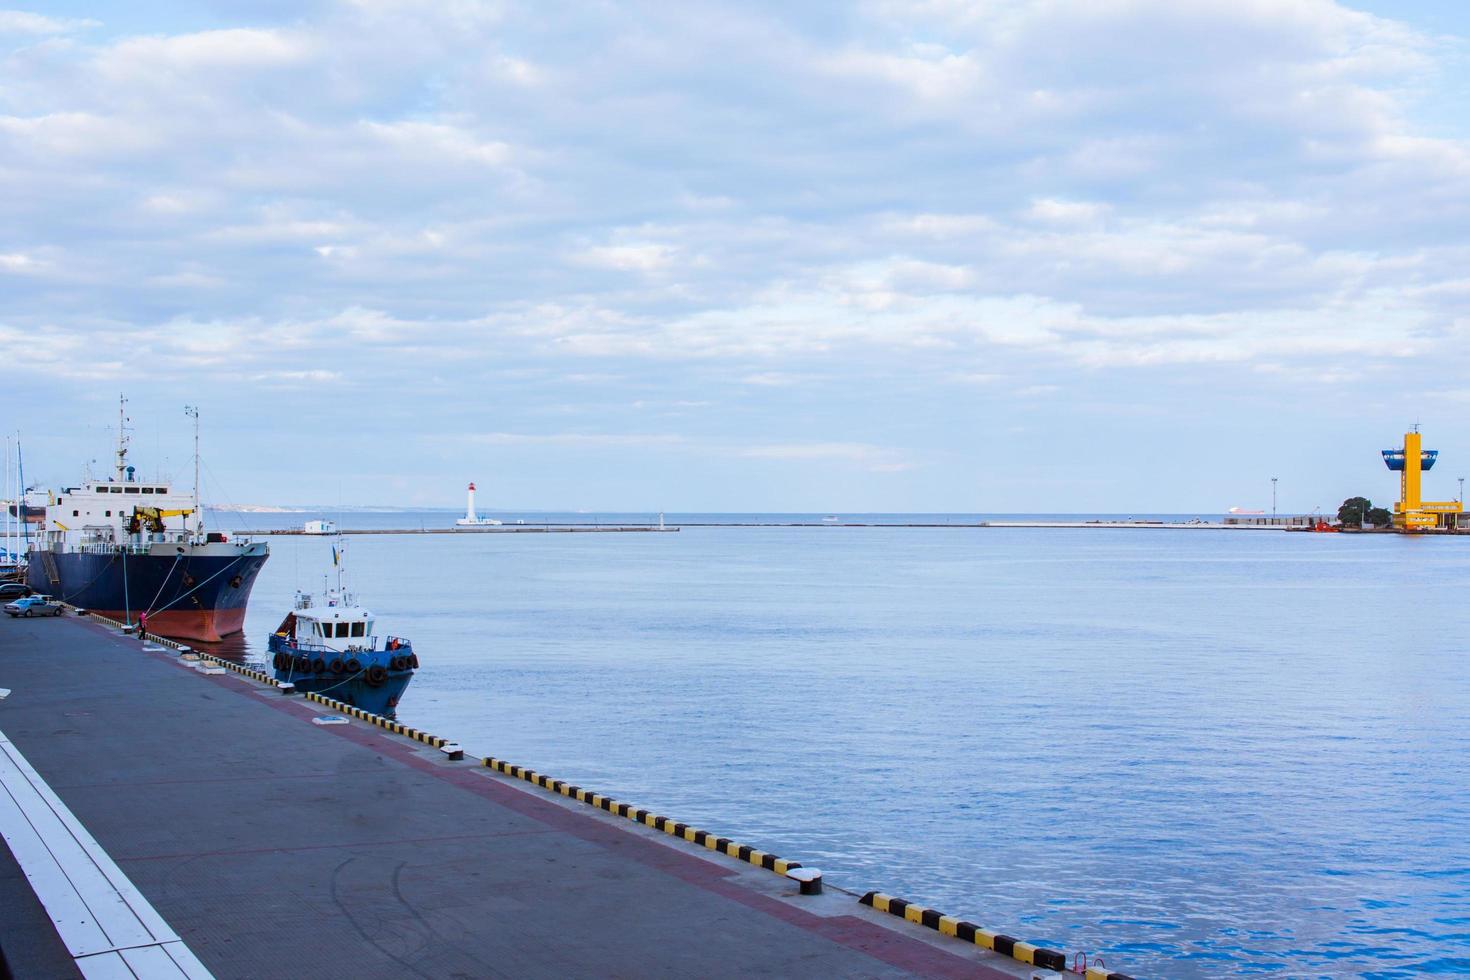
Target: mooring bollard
{"x": 286, "y": 688}
{"x": 810, "y": 880}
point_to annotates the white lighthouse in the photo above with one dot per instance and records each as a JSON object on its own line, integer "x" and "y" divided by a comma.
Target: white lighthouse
{"x": 470, "y": 519}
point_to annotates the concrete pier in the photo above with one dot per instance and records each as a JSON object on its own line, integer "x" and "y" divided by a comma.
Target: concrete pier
{"x": 275, "y": 847}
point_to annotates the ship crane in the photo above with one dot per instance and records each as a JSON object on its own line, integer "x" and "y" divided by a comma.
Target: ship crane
{"x": 152, "y": 519}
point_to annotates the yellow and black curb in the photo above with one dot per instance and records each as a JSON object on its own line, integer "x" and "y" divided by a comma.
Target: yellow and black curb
{"x": 396, "y": 727}
{"x": 1102, "y": 973}
{"x": 999, "y": 942}
{"x": 638, "y": 815}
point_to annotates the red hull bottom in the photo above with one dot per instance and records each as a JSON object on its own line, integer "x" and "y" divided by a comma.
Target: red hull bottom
{"x": 200, "y": 625}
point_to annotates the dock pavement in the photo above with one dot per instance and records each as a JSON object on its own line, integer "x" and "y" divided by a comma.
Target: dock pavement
{"x": 271, "y": 846}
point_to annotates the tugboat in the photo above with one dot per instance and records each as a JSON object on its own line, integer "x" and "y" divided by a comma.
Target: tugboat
{"x": 326, "y": 644}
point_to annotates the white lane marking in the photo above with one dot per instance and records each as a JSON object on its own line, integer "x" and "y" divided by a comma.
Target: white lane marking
{"x": 103, "y": 920}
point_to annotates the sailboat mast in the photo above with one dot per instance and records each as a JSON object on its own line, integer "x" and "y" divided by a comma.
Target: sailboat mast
{"x": 9, "y": 545}
{"x": 20, "y": 513}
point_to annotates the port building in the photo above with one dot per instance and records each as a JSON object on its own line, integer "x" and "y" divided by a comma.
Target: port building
{"x": 1411, "y": 512}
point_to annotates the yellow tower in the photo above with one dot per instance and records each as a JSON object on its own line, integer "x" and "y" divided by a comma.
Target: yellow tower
{"x": 1411, "y": 511}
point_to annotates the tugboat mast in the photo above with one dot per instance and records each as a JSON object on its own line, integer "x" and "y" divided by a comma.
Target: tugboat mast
{"x": 339, "y": 559}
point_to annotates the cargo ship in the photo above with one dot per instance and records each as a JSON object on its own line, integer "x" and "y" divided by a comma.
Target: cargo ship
{"x": 124, "y": 547}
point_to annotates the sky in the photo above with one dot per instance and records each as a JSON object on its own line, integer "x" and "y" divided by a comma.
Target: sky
{"x": 901, "y": 255}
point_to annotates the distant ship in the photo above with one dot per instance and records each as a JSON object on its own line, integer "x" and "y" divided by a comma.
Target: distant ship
{"x": 469, "y": 519}
{"x": 31, "y": 508}
{"x": 124, "y": 546}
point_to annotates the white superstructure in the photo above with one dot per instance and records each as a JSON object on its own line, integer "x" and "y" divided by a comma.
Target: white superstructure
{"x": 334, "y": 621}
{"x": 121, "y": 510}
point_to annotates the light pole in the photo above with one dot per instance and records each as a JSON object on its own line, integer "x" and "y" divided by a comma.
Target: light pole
{"x": 1462, "y": 491}
{"x": 1273, "y": 500}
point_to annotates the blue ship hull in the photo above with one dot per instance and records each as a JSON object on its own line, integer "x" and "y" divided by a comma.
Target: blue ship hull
{"x": 187, "y": 596}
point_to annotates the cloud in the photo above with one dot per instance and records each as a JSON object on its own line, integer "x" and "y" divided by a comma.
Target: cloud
{"x": 295, "y": 378}
{"x": 1066, "y": 212}
{"x": 648, "y": 257}
{"x": 574, "y": 439}
{"x": 25, "y": 22}
{"x": 211, "y": 52}
{"x": 17, "y": 262}
{"x": 874, "y": 458}
{"x": 910, "y": 210}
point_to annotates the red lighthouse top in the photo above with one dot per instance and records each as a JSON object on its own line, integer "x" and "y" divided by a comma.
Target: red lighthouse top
{"x": 472, "y": 486}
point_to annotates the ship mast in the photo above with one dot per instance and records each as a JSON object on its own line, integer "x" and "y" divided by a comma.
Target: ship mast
{"x": 122, "y": 438}
{"x": 193, "y": 412}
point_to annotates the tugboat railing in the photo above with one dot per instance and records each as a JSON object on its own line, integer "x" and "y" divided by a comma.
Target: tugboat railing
{"x": 313, "y": 645}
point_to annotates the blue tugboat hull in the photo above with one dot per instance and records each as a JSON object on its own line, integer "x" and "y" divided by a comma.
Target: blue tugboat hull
{"x": 356, "y": 692}
{"x": 377, "y": 685}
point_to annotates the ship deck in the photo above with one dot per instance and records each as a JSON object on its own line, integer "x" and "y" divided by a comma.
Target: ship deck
{"x": 275, "y": 847}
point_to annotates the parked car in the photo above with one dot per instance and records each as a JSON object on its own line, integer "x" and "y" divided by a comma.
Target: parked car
{"x": 13, "y": 590}
{"x": 34, "y": 605}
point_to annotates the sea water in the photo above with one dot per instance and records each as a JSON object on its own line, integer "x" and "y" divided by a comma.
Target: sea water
{"x": 1199, "y": 752}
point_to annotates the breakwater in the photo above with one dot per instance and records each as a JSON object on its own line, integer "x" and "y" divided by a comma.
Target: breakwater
{"x": 634, "y": 528}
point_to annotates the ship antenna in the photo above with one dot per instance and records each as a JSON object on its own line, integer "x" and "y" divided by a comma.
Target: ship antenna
{"x": 193, "y": 412}
{"x": 122, "y": 438}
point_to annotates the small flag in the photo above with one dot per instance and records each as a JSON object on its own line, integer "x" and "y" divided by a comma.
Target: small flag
{"x": 336, "y": 558}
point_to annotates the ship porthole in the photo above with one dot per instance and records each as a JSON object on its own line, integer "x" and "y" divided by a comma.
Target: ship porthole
{"x": 235, "y": 582}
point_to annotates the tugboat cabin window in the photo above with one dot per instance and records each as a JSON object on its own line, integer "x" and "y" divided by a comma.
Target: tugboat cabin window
{"x": 147, "y": 489}
{"x": 130, "y": 490}
{"x": 343, "y": 628}
{"x": 114, "y": 489}
{"x": 359, "y": 629}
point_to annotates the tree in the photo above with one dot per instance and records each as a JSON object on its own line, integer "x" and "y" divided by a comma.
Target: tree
{"x": 1379, "y": 517}
{"x": 1353, "y": 511}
